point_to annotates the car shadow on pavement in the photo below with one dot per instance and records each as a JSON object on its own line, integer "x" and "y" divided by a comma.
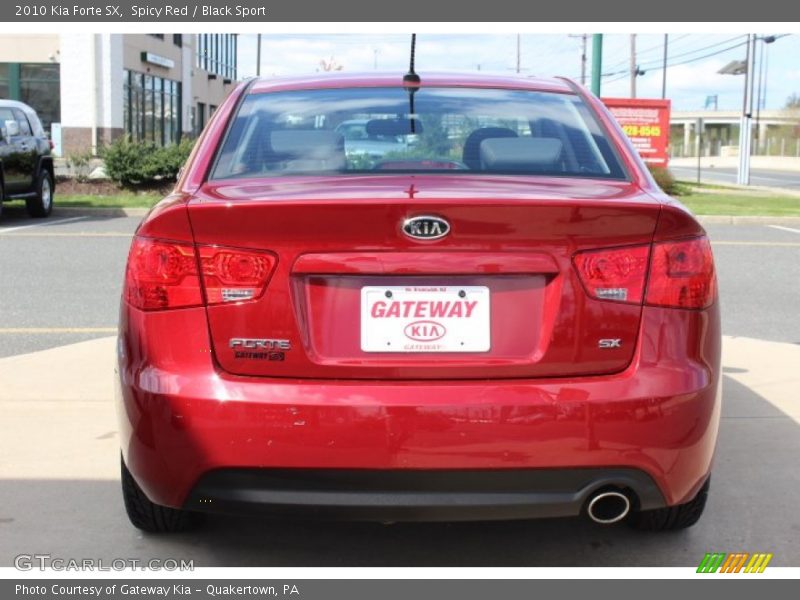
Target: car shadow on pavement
{"x": 751, "y": 508}
{"x": 15, "y": 215}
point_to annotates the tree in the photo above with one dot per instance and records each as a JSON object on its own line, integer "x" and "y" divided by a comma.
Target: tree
{"x": 793, "y": 102}
{"x": 329, "y": 65}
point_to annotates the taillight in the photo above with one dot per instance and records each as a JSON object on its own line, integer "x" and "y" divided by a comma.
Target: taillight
{"x": 682, "y": 274}
{"x": 232, "y": 275}
{"x": 615, "y": 274}
{"x": 163, "y": 274}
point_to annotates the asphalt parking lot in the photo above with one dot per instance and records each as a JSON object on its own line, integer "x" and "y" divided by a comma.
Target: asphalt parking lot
{"x": 727, "y": 175}
{"x": 60, "y": 281}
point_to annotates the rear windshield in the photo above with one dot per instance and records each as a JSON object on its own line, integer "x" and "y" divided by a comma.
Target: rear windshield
{"x": 389, "y": 130}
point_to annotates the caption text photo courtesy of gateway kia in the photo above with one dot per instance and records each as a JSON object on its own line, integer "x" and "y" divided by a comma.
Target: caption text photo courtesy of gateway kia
{"x": 418, "y": 297}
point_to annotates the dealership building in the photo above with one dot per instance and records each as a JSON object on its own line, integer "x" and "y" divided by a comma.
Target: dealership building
{"x": 91, "y": 88}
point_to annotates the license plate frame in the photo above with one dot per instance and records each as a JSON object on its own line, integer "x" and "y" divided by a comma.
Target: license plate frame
{"x": 409, "y": 319}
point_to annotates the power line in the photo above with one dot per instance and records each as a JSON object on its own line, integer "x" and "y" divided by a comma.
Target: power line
{"x": 696, "y": 50}
{"x": 659, "y": 67}
{"x": 679, "y": 55}
{"x": 651, "y": 48}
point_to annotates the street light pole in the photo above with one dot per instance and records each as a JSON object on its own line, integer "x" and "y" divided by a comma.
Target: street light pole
{"x": 761, "y": 95}
{"x": 258, "y": 56}
{"x": 745, "y": 130}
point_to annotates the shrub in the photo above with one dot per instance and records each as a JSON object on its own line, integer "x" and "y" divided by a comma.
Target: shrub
{"x": 79, "y": 164}
{"x": 664, "y": 179}
{"x": 132, "y": 163}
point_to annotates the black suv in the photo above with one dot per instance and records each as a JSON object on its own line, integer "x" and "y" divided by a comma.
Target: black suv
{"x": 26, "y": 166}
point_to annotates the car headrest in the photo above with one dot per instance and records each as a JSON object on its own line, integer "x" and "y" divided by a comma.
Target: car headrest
{"x": 522, "y": 155}
{"x": 472, "y": 145}
{"x": 308, "y": 149}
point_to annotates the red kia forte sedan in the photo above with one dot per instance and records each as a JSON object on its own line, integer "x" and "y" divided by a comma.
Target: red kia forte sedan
{"x": 498, "y": 315}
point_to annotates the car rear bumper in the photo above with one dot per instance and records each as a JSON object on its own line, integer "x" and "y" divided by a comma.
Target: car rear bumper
{"x": 195, "y": 437}
{"x": 415, "y": 495}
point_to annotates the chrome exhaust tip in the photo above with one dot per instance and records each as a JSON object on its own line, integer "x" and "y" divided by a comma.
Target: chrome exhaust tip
{"x": 608, "y": 507}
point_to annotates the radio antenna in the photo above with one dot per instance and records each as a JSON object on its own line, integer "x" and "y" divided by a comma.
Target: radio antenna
{"x": 411, "y": 81}
{"x": 411, "y": 78}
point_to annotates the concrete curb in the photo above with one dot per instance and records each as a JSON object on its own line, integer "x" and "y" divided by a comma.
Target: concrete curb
{"x": 94, "y": 211}
{"x": 747, "y": 220}
{"x": 725, "y": 186}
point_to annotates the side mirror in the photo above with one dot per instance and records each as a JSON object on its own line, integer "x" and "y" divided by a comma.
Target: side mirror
{"x": 12, "y": 128}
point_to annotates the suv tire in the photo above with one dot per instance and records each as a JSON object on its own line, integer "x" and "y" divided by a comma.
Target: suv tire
{"x": 42, "y": 203}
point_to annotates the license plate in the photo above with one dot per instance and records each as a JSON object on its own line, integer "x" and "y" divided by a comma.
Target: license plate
{"x": 425, "y": 319}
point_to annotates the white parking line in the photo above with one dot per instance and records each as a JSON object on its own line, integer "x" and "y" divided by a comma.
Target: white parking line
{"x": 782, "y": 228}
{"x": 43, "y": 223}
{"x": 48, "y": 330}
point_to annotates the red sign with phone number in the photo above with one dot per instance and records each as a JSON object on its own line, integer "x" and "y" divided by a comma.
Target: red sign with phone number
{"x": 646, "y": 122}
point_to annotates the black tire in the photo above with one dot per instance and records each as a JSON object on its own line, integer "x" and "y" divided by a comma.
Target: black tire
{"x": 151, "y": 517}
{"x": 41, "y": 205}
{"x": 672, "y": 518}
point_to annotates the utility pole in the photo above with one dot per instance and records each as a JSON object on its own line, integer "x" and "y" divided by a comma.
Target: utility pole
{"x": 375, "y": 52}
{"x": 634, "y": 68}
{"x": 584, "y": 41}
{"x": 597, "y": 62}
{"x": 583, "y": 58}
{"x": 664, "y": 69}
{"x": 258, "y": 56}
{"x": 519, "y": 42}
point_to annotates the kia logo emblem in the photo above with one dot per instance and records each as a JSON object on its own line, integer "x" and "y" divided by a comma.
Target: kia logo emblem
{"x": 426, "y": 227}
{"x": 424, "y": 331}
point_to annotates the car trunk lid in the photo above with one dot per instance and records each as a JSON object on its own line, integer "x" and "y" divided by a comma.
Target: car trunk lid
{"x": 354, "y": 297}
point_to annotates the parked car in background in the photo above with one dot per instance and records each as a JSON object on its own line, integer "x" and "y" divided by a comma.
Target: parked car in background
{"x": 507, "y": 320}
{"x": 361, "y": 138}
{"x": 26, "y": 164}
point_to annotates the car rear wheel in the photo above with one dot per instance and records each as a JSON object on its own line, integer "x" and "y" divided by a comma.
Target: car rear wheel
{"x": 151, "y": 517}
{"x": 42, "y": 203}
{"x": 672, "y": 518}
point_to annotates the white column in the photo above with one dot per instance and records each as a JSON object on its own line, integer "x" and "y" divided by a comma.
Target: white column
{"x": 687, "y": 136}
{"x": 109, "y": 80}
{"x": 91, "y": 83}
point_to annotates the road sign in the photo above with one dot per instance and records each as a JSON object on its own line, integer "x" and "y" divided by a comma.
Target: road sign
{"x": 646, "y": 122}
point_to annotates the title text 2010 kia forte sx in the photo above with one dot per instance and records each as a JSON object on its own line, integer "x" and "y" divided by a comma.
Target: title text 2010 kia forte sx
{"x": 503, "y": 317}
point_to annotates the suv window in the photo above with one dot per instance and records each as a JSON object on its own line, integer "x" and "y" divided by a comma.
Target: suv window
{"x": 24, "y": 126}
{"x": 5, "y": 115}
{"x": 380, "y": 130}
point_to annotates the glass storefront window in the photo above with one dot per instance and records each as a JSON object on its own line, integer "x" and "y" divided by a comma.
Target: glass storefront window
{"x": 35, "y": 84}
{"x": 152, "y": 108}
{"x": 216, "y": 53}
{"x": 148, "y": 108}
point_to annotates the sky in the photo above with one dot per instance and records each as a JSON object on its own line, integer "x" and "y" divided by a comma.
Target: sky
{"x": 688, "y": 84}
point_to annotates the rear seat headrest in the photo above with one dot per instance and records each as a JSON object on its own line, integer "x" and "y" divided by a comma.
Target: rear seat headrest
{"x": 309, "y": 149}
{"x": 520, "y": 154}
